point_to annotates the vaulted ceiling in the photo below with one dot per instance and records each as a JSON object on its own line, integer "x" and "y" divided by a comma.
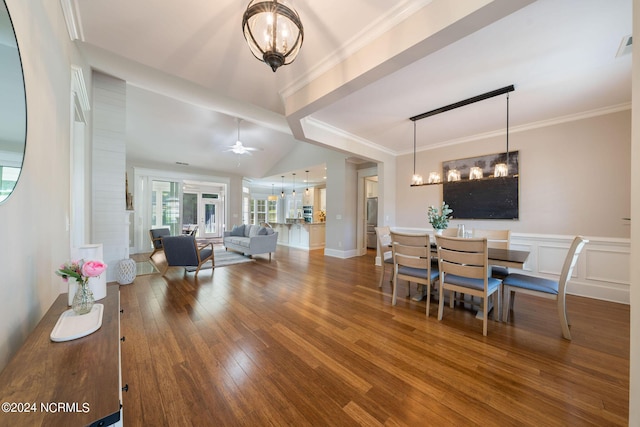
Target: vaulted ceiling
{"x": 365, "y": 67}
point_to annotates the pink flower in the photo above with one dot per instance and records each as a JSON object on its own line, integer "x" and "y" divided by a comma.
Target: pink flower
{"x": 93, "y": 268}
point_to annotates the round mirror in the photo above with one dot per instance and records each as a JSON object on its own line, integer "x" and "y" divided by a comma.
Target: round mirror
{"x": 13, "y": 107}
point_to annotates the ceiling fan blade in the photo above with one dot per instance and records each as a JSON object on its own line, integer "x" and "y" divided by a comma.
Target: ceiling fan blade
{"x": 238, "y": 148}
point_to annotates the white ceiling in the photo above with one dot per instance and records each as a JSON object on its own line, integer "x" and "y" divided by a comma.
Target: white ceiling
{"x": 365, "y": 67}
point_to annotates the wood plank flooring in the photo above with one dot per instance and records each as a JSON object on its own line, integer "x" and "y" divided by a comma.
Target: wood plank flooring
{"x": 309, "y": 340}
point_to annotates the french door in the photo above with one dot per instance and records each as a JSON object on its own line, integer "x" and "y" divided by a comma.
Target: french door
{"x": 211, "y": 217}
{"x": 204, "y": 211}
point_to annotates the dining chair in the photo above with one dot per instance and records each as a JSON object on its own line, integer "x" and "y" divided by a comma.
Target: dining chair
{"x": 546, "y": 288}
{"x": 464, "y": 268}
{"x": 500, "y": 239}
{"x": 412, "y": 262}
{"x": 383, "y": 234}
{"x": 449, "y": 232}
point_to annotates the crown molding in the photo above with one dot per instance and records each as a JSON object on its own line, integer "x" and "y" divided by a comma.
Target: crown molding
{"x": 70, "y": 12}
{"x": 343, "y": 135}
{"x": 80, "y": 89}
{"x": 529, "y": 126}
{"x": 367, "y": 35}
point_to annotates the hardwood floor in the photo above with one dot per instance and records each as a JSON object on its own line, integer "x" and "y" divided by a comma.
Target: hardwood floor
{"x": 312, "y": 340}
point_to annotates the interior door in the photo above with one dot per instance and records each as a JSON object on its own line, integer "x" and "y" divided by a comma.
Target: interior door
{"x": 210, "y": 221}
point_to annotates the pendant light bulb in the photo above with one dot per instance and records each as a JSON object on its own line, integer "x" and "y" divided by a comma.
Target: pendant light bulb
{"x": 415, "y": 179}
{"x": 282, "y": 192}
{"x": 294, "y": 186}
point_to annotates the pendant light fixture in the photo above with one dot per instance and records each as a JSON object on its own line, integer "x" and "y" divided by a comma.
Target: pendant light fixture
{"x": 282, "y": 192}
{"x": 415, "y": 179}
{"x": 272, "y": 197}
{"x": 306, "y": 191}
{"x": 273, "y": 30}
{"x": 502, "y": 169}
{"x": 293, "y": 193}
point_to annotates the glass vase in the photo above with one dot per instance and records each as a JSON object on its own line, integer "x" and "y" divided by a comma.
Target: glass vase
{"x": 83, "y": 299}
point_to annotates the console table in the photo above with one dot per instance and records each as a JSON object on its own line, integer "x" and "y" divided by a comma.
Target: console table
{"x": 72, "y": 383}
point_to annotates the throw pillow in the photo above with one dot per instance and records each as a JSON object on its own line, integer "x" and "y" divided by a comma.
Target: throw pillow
{"x": 237, "y": 230}
{"x": 269, "y": 231}
{"x": 254, "y": 230}
{"x": 262, "y": 231}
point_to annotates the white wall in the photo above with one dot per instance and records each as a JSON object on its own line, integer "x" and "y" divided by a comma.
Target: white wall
{"x": 108, "y": 163}
{"x": 574, "y": 178}
{"x": 35, "y": 236}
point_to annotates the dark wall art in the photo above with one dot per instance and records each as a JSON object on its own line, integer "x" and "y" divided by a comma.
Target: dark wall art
{"x": 486, "y": 196}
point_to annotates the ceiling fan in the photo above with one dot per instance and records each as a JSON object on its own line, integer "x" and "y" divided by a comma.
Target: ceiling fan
{"x": 239, "y": 148}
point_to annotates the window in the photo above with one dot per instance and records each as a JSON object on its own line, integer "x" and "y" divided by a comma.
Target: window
{"x": 272, "y": 211}
{"x": 165, "y": 206}
{"x": 258, "y": 211}
{"x": 8, "y": 178}
{"x": 245, "y": 205}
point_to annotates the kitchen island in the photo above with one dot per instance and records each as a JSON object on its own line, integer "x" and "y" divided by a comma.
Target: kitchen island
{"x": 299, "y": 234}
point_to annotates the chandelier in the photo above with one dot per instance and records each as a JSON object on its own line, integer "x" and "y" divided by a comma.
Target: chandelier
{"x": 273, "y": 31}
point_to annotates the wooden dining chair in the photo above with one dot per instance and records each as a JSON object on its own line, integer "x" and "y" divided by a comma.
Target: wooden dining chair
{"x": 412, "y": 262}
{"x": 383, "y": 235}
{"x": 500, "y": 239}
{"x": 449, "y": 232}
{"x": 464, "y": 268}
{"x": 546, "y": 288}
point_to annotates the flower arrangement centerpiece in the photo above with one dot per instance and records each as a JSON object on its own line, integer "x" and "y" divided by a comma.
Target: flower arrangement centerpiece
{"x": 82, "y": 271}
{"x": 439, "y": 218}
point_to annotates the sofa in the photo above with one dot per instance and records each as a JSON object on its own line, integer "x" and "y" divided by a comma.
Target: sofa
{"x": 251, "y": 239}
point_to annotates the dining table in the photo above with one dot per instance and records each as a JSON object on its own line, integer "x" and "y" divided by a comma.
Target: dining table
{"x": 510, "y": 258}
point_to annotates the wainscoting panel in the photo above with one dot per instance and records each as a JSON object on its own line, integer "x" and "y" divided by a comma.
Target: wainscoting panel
{"x": 602, "y": 271}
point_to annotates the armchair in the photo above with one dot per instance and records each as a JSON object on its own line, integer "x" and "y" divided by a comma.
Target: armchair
{"x": 156, "y": 235}
{"x": 183, "y": 251}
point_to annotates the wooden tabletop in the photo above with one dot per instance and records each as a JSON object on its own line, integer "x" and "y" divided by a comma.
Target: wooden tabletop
{"x": 503, "y": 257}
{"x": 507, "y": 257}
{"x": 72, "y": 383}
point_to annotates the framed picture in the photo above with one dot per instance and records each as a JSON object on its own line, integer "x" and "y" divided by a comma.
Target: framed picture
{"x": 481, "y": 187}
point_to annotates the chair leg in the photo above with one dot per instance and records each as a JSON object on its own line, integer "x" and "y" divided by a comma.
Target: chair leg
{"x": 440, "y": 302}
{"x": 428, "y": 298}
{"x": 394, "y": 288}
{"x": 506, "y": 291}
{"x": 562, "y": 314}
{"x": 485, "y": 316}
{"x": 509, "y": 298}
{"x": 384, "y": 269}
